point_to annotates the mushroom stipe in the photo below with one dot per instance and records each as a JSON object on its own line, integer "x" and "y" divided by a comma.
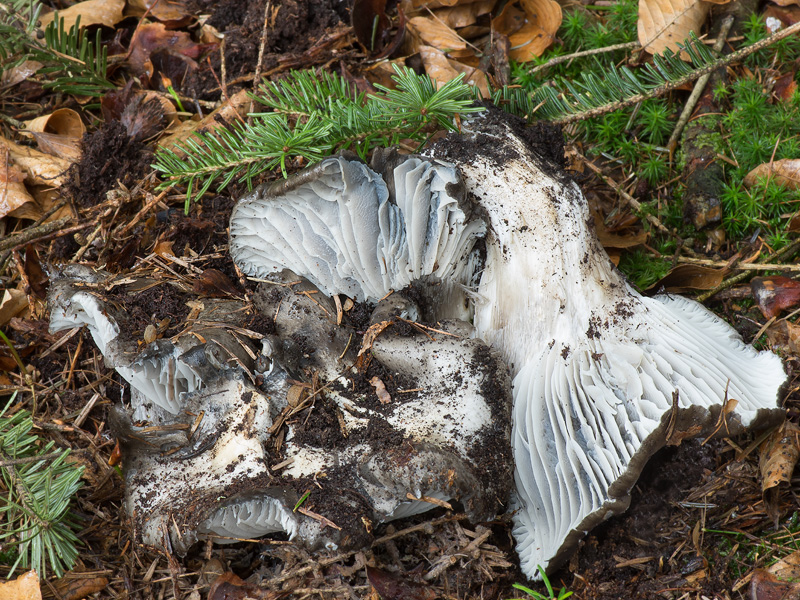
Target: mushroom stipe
{"x": 485, "y": 238}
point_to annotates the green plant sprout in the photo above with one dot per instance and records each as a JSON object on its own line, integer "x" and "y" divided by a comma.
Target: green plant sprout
{"x": 36, "y": 487}
{"x": 551, "y": 595}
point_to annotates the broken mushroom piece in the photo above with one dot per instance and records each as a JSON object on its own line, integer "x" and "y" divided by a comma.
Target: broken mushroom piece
{"x": 603, "y": 377}
{"x": 350, "y": 231}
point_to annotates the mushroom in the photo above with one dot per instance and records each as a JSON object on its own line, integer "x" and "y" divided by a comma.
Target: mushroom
{"x": 603, "y": 376}
{"x": 221, "y": 446}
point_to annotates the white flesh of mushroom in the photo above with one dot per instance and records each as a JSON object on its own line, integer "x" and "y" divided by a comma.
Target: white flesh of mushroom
{"x": 595, "y": 364}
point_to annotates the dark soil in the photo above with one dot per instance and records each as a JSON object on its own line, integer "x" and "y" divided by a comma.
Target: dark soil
{"x": 298, "y": 25}
{"x": 109, "y": 156}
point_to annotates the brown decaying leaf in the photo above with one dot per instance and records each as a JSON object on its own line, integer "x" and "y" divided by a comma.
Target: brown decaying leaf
{"x": 666, "y": 23}
{"x": 436, "y": 34}
{"x": 24, "y": 587}
{"x": 13, "y": 192}
{"x": 774, "y": 294}
{"x": 230, "y": 586}
{"x": 610, "y": 239}
{"x": 370, "y": 23}
{"x": 34, "y": 272}
{"x": 91, "y": 12}
{"x": 786, "y": 2}
{"x": 172, "y": 11}
{"x": 784, "y": 334}
{"x": 214, "y": 283}
{"x": 766, "y": 586}
{"x": 62, "y": 146}
{"x": 778, "y": 455}
{"x": 785, "y": 172}
{"x": 12, "y": 303}
{"x": 76, "y": 586}
{"x": 152, "y": 38}
{"x": 18, "y": 74}
{"x": 464, "y": 14}
{"x": 235, "y": 108}
{"x": 530, "y": 28}
{"x": 40, "y": 168}
{"x": 393, "y": 586}
{"x": 683, "y": 278}
{"x": 63, "y": 121}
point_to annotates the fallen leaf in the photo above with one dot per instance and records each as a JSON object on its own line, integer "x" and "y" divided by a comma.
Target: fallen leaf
{"x": 666, "y": 23}
{"x": 91, "y": 12}
{"x": 786, "y": 15}
{"x": 12, "y": 303}
{"x": 786, "y": 2}
{"x": 370, "y": 24}
{"x": 164, "y": 249}
{"x": 173, "y": 11}
{"x": 785, "y": 172}
{"x": 230, "y": 586}
{"x": 610, "y": 239}
{"x": 766, "y": 586}
{"x": 18, "y": 74}
{"x": 380, "y": 390}
{"x": 530, "y": 28}
{"x": 683, "y": 278}
{"x": 235, "y": 108}
{"x": 436, "y": 34}
{"x": 63, "y": 121}
{"x": 785, "y": 87}
{"x": 778, "y": 456}
{"x": 464, "y": 14}
{"x": 76, "y": 586}
{"x": 154, "y": 38}
{"x": 13, "y": 193}
{"x": 787, "y": 568}
{"x": 436, "y": 65}
{"x": 784, "y": 334}
{"x": 40, "y": 168}
{"x": 774, "y": 294}
{"x": 214, "y": 283}
{"x": 393, "y": 586}
{"x": 472, "y": 76}
{"x": 37, "y": 280}
{"x": 24, "y": 587}
{"x": 63, "y": 146}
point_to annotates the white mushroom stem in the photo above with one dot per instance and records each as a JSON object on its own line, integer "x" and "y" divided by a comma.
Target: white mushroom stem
{"x": 595, "y": 364}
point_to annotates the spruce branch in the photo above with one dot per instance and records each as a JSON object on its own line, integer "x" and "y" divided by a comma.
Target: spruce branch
{"x": 36, "y": 488}
{"x": 310, "y": 116}
{"x": 72, "y": 63}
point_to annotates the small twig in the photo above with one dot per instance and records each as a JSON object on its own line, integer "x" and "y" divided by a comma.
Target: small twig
{"x": 785, "y": 252}
{"x": 699, "y": 86}
{"x": 739, "y": 266}
{"x": 261, "y": 47}
{"x": 681, "y": 81}
{"x": 31, "y": 233}
{"x": 567, "y": 57}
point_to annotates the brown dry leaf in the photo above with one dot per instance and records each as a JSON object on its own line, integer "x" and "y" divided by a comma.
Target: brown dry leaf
{"x": 40, "y": 168}
{"x": 24, "y": 587}
{"x": 235, "y": 108}
{"x": 91, "y": 12}
{"x": 473, "y": 76}
{"x": 63, "y": 121}
{"x": 766, "y": 586}
{"x": 436, "y": 34}
{"x": 59, "y": 145}
{"x": 784, "y": 334}
{"x": 666, "y": 23}
{"x": 230, "y": 586}
{"x": 774, "y": 294}
{"x": 778, "y": 455}
{"x": 164, "y": 249}
{"x": 163, "y": 10}
{"x": 399, "y": 586}
{"x": 611, "y": 239}
{"x": 436, "y": 65}
{"x": 465, "y": 14}
{"x": 12, "y": 303}
{"x": 787, "y": 568}
{"x": 371, "y": 335}
{"x": 155, "y": 37}
{"x": 530, "y": 28}
{"x": 214, "y": 283}
{"x": 18, "y": 74}
{"x": 76, "y": 586}
{"x": 684, "y": 278}
{"x": 785, "y": 172}
{"x": 13, "y": 193}
{"x": 786, "y": 2}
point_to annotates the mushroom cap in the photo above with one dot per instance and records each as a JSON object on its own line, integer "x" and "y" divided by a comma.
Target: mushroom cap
{"x": 595, "y": 365}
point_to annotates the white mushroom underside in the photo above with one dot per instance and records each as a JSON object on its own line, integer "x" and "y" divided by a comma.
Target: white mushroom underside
{"x": 341, "y": 232}
{"x": 579, "y": 421}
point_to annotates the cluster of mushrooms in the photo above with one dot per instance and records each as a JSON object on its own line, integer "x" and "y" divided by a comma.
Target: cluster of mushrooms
{"x": 527, "y": 375}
